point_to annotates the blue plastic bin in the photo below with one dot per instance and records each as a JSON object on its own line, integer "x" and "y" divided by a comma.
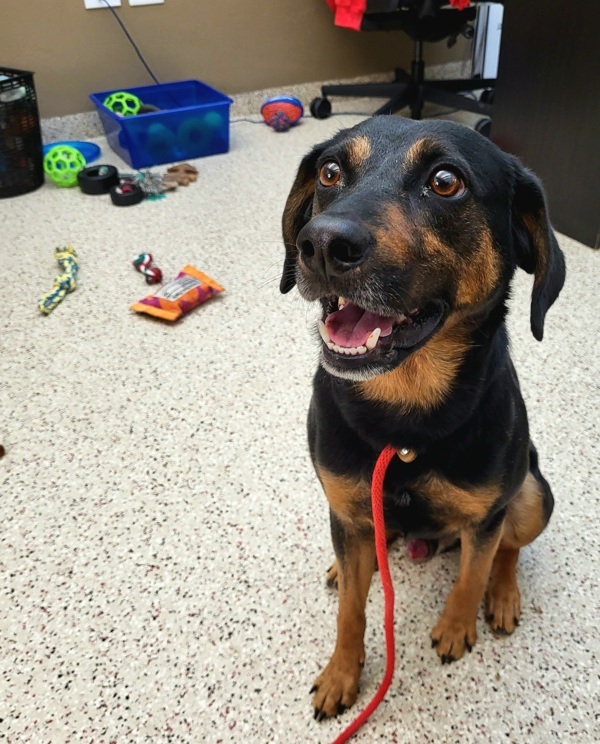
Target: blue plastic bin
{"x": 193, "y": 122}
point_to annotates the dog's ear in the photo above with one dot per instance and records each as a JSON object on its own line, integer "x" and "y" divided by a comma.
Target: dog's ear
{"x": 296, "y": 214}
{"x": 535, "y": 246}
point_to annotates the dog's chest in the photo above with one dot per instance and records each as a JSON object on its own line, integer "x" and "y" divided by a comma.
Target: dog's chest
{"x": 409, "y": 510}
{"x": 429, "y": 504}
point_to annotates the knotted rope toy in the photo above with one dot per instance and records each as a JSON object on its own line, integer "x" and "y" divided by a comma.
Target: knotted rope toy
{"x": 152, "y": 184}
{"x": 143, "y": 264}
{"x": 64, "y": 283}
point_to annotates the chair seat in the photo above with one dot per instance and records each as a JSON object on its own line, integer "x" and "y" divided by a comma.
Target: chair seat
{"x": 442, "y": 25}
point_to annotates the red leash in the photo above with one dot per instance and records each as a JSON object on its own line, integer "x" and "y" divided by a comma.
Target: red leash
{"x": 379, "y": 472}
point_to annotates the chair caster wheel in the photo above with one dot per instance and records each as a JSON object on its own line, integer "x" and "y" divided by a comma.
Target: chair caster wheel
{"x": 484, "y": 126}
{"x": 487, "y": 95}
{"x": 320, "y": 108}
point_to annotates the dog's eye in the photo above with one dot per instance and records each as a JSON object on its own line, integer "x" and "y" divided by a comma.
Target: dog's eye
{"x": 330, "y": 174}
{"x": 446, "y": 183}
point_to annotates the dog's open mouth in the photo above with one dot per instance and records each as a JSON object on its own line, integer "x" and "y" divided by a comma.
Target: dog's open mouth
{"x": 355, "y": 336}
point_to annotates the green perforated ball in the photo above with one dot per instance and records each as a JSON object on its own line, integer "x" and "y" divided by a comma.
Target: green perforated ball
{"x": 62, "y": 163}
{"x": 123, "y": 103}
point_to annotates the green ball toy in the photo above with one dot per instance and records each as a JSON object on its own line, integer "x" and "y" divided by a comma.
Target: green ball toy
{"x": 123, "y": 103}
{"x": 62, "y": 163}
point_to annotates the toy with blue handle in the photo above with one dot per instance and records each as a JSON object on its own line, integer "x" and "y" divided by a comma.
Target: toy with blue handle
{"x": 89, "y": 150}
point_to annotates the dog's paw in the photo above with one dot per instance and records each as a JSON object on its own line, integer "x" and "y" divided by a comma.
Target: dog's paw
{"x": 332, "y": 576}
{"x": 336, "y": 688}
{"x": 503, "y": 606}
{"x": 452, "y": 636}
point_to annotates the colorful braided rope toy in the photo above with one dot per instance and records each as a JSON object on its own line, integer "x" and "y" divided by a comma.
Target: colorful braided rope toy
{"x": 64, "y": 283}
{"x": 143, "y": 264}
{"x": 281, "y": 112}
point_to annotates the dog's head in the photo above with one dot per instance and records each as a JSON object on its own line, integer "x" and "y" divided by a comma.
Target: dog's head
{"x": 400, "y": 228}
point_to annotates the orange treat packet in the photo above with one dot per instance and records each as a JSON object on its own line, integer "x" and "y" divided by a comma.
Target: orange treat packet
{"x": 189, "y": 289}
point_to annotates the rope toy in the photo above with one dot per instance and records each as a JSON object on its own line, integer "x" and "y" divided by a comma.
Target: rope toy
{"x": 143, "y": 264}
{"x": 152, "y": 184}
{"x": 379, "y": 472}
{"x": 64, "y": 283}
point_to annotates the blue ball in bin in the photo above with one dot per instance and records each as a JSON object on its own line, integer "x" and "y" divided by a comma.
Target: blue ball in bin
{"x": 213, "y": 121}
{"x": 160, "y": 142}
{"x": 194, "y": 136}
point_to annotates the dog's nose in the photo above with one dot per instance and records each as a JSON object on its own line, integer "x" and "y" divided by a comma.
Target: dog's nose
{"x": 333, "y": 245}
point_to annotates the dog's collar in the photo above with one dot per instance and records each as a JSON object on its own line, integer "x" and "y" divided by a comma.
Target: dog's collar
{"x": 406, "y": 454}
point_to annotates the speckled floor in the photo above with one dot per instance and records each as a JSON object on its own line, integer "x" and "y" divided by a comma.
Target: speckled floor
{"x": 163, "y": 540}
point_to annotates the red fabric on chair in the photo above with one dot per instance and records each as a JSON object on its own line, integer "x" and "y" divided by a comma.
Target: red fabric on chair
{"x": 348, "y": 13}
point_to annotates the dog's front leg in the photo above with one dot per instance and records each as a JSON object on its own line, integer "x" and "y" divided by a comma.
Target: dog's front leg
{"x": 456, "y": 630}
{"x": 336, "y": 687}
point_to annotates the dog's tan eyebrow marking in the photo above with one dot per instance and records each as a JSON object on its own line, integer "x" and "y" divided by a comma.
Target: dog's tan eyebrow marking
{"x": 358, "y": 150}
{"x": 419, "y": 150}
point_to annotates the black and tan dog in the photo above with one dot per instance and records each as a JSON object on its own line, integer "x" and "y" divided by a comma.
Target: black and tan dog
{"x": 408, "y": 234}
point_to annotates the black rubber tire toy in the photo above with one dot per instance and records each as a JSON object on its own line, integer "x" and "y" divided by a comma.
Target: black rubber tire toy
{"x": 320, "y": 108}
{"x": 126, "y": 194}
{"x": 148, "y": 108}
{"x": 484, "y": 126}
{"x": 98, "y": 179}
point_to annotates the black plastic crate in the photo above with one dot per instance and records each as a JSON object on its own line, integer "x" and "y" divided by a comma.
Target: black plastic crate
{"x": 21, "y": 158}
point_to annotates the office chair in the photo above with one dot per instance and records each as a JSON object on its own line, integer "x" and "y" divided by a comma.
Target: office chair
{"x": 422, "y": 20}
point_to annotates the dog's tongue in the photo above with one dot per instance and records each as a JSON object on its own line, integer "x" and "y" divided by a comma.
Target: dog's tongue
{"x": 351, "y": 326}
{"x": 417, "y": 549}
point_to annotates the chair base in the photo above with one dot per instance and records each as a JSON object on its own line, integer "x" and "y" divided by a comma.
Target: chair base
{"x": 412, "y": 90}
{"x": 414, "y": 95}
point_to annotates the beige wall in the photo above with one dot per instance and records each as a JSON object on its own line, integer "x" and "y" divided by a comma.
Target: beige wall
{"x": 235, "y": 45}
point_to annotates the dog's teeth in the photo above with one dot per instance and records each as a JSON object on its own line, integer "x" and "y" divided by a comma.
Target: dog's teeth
{"x": 348, "y": 350}
{"x": 341, "y": 303}
{"x": 371, "y": 342}
{"x": 324, "y": 332}
{"x": 401, "y": 318}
